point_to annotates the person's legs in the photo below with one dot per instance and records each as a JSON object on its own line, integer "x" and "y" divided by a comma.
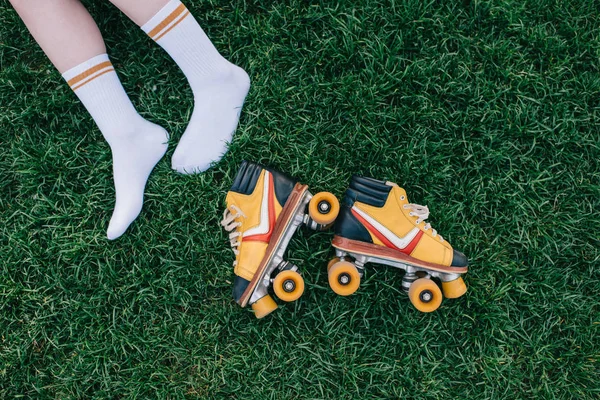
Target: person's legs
{"x": 72, "y": 41}
{"x": 140, "y": 11}
{"x": 219, "y": 87}
{"x": 63, "y": 29}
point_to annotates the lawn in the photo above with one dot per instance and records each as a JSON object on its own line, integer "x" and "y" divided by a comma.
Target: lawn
{"x": 488, "y": 112}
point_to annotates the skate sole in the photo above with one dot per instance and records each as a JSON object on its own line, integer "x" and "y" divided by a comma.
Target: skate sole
{"x": 383, "y": 253}
{"x": 281, "y": 232}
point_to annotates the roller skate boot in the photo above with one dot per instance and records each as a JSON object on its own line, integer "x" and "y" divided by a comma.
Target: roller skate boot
{"x": 264, "y": 209}
{"x": 377, "y": 224}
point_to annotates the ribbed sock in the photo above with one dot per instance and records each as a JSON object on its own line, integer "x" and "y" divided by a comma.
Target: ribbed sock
{"x": 219, "y": 87}
{"x": 136, "y": 144}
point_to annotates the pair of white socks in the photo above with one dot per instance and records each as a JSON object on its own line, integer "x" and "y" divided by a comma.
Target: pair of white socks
{"x": 219, "y": 89}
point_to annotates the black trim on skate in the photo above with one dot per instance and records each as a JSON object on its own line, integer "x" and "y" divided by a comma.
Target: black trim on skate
{"x": 459, "y": 260}
{"x": 248, "y": 174}
{"x": 347, "y": 226}
{"x": 239, "y": 286}
{"x": 367, "y": 190}
{"x": 246, "y": 178}
{"x": 283, "y": 183}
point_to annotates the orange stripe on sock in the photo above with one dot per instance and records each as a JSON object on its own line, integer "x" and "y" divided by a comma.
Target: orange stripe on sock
{"x": 95, "y": 77}
{"x": 88, "y": 73}
{"x": 173, "y": 26}
{"x": 178, "y": 11}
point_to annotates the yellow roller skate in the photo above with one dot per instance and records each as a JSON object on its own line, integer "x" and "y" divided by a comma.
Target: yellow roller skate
{"x": 264, "y": 209}
{"x": 377, "y": 224}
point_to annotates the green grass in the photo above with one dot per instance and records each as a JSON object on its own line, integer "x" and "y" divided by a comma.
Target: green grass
{"x": 486, "y": 111}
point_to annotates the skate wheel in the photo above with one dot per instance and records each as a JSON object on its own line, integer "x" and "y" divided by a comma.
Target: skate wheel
{"x": 323, "y": 208}
{"x": 264, "y": 306}
{"x": 454, "y": 289}
{"x": 288, "y": 285}
{"x": 344, "y": 278}
{"x": 425, "y": 295}
{"x": 332, "y": 263}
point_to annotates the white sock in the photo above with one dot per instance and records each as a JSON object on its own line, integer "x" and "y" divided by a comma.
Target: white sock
{"x": 136, "y": 144}
{"x": 219, "y": 87}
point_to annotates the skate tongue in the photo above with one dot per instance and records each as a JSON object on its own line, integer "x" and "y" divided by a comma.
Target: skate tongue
{"x": 422, "y": 213}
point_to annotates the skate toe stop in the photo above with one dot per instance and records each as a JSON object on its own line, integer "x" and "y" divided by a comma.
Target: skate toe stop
{"x": 264, "y": 307}
{"x": 454, "y": 289}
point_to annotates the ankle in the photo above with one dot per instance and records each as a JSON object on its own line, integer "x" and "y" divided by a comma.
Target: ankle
{"x": 134, "y": 130}
{"x": 227, "y": 74}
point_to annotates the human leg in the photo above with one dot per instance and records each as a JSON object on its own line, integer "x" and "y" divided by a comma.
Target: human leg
{"x": 219, "y": 87}
{"x": 72, "y": 41}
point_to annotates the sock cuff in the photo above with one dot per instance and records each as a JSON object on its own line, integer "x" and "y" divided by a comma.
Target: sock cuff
{"x": 87, "y": 71}
{"x": 166, "y": 19}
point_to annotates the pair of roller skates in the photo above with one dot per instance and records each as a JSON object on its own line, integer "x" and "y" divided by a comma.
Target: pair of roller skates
{"x": 375, "y": 223}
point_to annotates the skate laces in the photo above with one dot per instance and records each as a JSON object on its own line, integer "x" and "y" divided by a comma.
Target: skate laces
{"x": 422, "y": 213}
{"x": 231, "y": 223}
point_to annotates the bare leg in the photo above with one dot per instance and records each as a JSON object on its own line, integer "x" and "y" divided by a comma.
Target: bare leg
{"x": 72, "y": 41}
{"x": 140, "y": 11}
{"x": 63, "y": 29}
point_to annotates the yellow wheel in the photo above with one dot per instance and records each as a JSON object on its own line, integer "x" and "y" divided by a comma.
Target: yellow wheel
{"x": 288, "y": 285}
{"x": 324, "y": 208}
{"x": 454, "y": 289}
{"x": 344, "y": 278}
{"x": 425, "y": 295}
{"x": 264, "y": 306}
{"x": 332, "y": 263}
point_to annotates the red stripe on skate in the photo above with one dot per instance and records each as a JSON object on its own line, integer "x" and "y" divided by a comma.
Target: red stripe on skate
{"x": 267, "y": 236}
{"x": 407, "y": 250}
{"x": 411, "y": 246}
